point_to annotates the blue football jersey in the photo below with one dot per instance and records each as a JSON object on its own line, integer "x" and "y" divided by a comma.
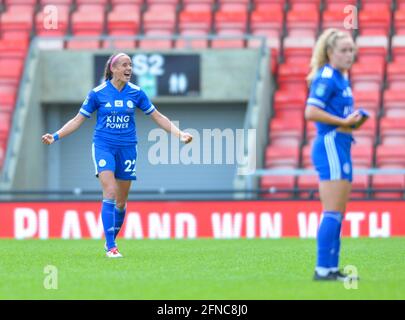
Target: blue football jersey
{"x": 330, "y": 90}
{"x": 115, "y": 112}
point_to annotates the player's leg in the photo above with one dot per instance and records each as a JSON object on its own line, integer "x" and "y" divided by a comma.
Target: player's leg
{"x": 125, "y": 172}
{"x": 333, "y": 196}
{"x": 104, "y": 163}
{"x": 331, "y": 157}
{"x": 123, "y": 187}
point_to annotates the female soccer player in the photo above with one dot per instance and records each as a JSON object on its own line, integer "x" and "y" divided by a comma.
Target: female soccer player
{"x": 114, "y": 142}
{"x": 330, "y": 106}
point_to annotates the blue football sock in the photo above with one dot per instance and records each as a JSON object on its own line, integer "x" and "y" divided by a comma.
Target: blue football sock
{"x": 334, "y": 259}
{"x": 107, "y": 216}
{"x": 119, "y": 220}
{"x": 326, "y": 237}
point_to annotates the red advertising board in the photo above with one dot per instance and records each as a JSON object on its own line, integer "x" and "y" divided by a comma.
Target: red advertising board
{"x": 197, "y": 219}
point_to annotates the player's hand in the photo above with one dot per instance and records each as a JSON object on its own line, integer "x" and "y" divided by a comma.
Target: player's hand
{"x": 185, "y": 137}
{"x": 47, "y": 138}
{"x": 353, "y": 119}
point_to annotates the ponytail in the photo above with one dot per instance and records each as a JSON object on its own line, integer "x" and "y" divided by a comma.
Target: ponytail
{"x": 107, "y": 69}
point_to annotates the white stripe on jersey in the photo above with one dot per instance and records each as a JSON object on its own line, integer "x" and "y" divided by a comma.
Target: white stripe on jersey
{"x": 100, "y": 87}
{"x": 85, "y": 113}
{"x": 133, "y": 86}
{"x": 333, "y": 158}
{"x": 327, "y": 72}
{"x": 152, "y": 107}
{"x": 93, "y": 155}
{"x": 316, "y": 102}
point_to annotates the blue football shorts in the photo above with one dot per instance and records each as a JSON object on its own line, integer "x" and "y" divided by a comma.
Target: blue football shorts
{"x": 120, "y": 160}
{"x": 331, "y": 156}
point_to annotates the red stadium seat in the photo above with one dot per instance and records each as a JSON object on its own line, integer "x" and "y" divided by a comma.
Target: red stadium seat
{"x": 126, "y": 2}
{"x": 13, "y": 48}
{"x": 396, "y": 76}
{"x": 339, "y": 5}
{"x": 399, "y": 21}
{"x": 291, "y": 77}
{"x": 231, "y": 20}
{"x": 198, "y": 5}
{"x": 17, "y": 21}
{"x": 375, "y": 21}
{"x": 86, "y": 2}
{"x": 368, "y": 100}
{"x": 310, "y": 131}
{"x": 286, "y": 100}
{"x": 394, "y": 103}
{"x": 400, "y": 4}
{"x": 303, "y": 23}
{"x": 274, "y": 183}
{"x": 159, "y": 40}
{"x": 392, "y": 131}
{"x": 11, "y": 70}
{"x": 307, "y": 186}
{"x": 286, "y": 132}
{"x": 160, "y": 18}
{"x": 22, "y": 2}
{"x": 298, "y": 50}
{"x": 376, "y": 5}
{"x": 269, "y": 21}
{"x": 362, "y": 156}
{"x": 390, "y": 156}
{"x": 282, "y": 156}
{"x": 195, "y": 20}
{"x": 372, "y": 49}
{"x": 361, "y": 183}
{"x": 333, "y": 18}
{"x": 88, "y": 20}
{"x": 118, "y": 43}
{"x": 124, "y": 19}
{"x": 398, "y": 48}
{"x": 5, "y": 122}
{"x": 305, "y": 5}
{"x": 306, "y": 155}
{"x": 233, "y": 5}
{"x": 270, "y": 5}
{"x": 367, "y": 77}
{"x": 386, "y": 182}
{"x": 44, "y": 28}
{"x": 201, "y": 43}
{"x": 367, "y": 133}
{"x": 56, "y": 2}
{"x": 236, "y": 41}
{"x": 76, "y": 44}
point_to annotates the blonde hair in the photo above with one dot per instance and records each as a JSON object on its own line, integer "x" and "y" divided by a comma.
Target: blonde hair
{"x": 327, "y": 40}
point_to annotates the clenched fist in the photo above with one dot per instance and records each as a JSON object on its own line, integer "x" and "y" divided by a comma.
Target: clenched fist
{"x": 185, "y": 137}
{"x": 47, "y": 138}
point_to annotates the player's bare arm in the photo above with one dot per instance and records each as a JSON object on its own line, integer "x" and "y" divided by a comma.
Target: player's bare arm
{"x": 71, "y": 126}
{"x": 164, "y": 122}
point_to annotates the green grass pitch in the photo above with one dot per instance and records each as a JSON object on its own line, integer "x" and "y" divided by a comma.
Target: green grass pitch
{"x": 197, "y": 269}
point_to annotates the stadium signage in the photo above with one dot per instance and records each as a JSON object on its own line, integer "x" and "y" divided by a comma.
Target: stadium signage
{"x": 160, "y": 74}
{"x": 198, "y": 219}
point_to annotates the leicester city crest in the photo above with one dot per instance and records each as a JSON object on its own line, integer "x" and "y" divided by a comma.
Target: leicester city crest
{"x": 320, "y": 90}
{"x": 130, "y": 104}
